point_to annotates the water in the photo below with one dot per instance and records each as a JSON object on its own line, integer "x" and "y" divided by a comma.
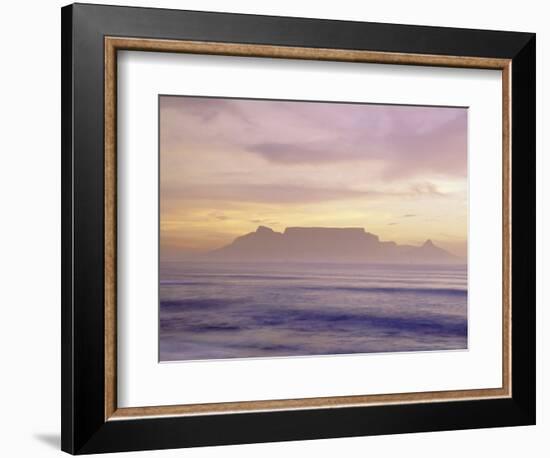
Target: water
{"x": 213, "y": 311}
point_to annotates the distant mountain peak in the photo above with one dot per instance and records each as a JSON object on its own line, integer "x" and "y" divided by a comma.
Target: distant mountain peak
{"x": 326, "y": 244}
{"x": 264, "y": 229}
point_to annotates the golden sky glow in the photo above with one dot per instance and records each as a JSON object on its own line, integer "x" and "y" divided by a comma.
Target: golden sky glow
{"x": 230, "y": 165}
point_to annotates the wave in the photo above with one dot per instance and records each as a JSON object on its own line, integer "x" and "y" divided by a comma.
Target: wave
{"x": 379, "y": 289}
{"x": 394, "y": 279}
{"x": 302, "y": 322}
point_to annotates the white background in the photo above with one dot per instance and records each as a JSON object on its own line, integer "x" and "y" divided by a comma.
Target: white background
{"x": 30, "y": 230}
{"x": 142, "y": 381}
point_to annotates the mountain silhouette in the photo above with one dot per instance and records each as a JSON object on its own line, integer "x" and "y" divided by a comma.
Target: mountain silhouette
{"x": 326, "y": 244}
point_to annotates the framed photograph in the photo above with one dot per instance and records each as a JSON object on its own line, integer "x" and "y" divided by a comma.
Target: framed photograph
{"x": 283, "y": 228}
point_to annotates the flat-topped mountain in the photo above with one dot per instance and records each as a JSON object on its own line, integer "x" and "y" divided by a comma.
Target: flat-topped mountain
{"x": 326, "y": 244}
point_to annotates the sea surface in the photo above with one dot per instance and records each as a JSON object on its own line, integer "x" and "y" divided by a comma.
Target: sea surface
{"x": 241, "y": 310}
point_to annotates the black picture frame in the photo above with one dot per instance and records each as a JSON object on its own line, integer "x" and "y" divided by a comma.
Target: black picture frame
{"x": 84, "y": 428}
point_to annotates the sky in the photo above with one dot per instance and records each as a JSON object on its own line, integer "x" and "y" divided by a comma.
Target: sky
{"x": 228, "y": 166}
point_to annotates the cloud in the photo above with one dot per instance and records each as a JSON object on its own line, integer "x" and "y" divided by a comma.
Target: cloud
{"x": 285, "y": 194}
{"x": 408, "y": 215}
{"x": 408, "y": 140}
{"x": 425, "y": 188}
{"x": 330, "y": 150}
{"x": 219, "y": 216}
{"x": 265, "y": 193}
{"x": 206, "y": 109}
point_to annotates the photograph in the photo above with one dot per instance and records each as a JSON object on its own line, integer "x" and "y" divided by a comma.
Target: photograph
{"x": 310, "y": 228}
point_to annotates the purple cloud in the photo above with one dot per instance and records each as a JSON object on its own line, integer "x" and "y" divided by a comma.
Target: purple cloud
{"x": 273, "y": 193}
{"x": 408, "y": 139}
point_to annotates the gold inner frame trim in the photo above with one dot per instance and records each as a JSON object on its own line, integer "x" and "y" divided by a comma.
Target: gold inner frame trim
{"x": 114, "y": 44}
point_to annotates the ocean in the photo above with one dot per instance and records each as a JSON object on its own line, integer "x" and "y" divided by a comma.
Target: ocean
{"x": 255, "y": 310}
